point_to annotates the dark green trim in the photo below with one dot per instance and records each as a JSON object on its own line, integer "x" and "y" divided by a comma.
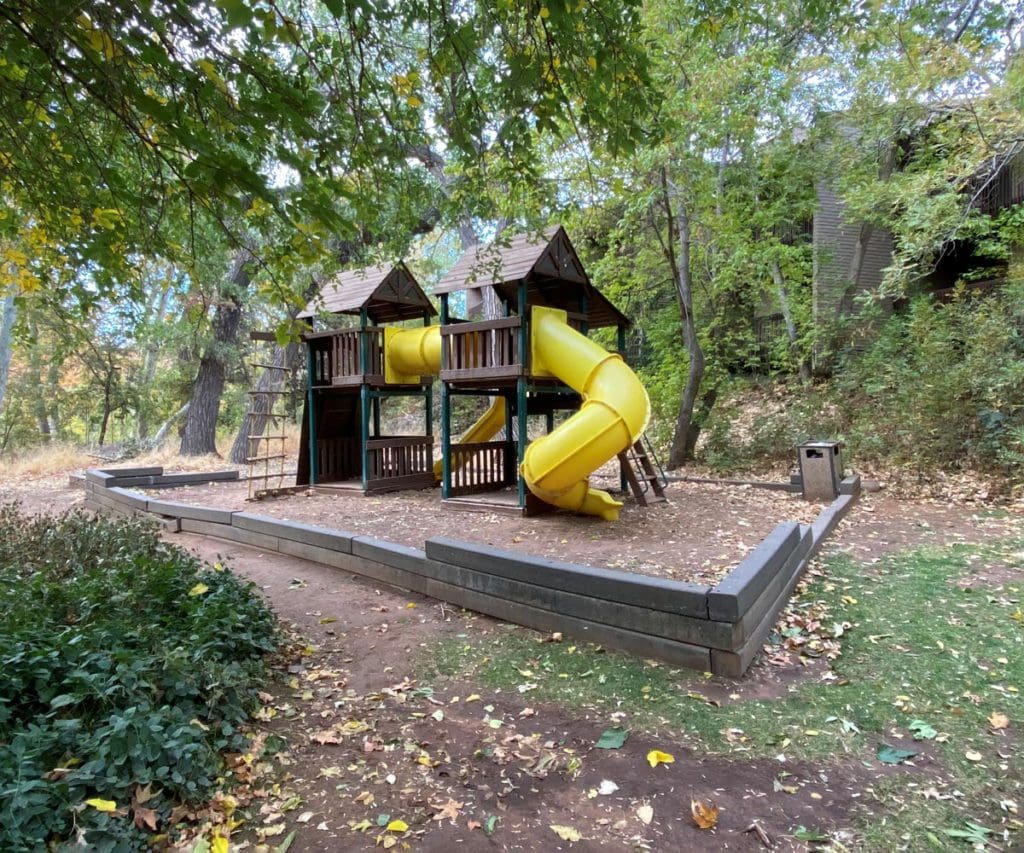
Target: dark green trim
{"x": 522, "y": 425}
{"x": 364, "y": 431}
{"x": 311, "y": 410}
{"x": 446, "y": 415}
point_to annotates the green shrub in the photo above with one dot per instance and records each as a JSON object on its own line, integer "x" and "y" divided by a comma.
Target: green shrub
{"x": 124, "y": 661}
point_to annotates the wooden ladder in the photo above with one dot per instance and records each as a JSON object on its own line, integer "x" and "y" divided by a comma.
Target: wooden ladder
{"x": 645, "y": 480}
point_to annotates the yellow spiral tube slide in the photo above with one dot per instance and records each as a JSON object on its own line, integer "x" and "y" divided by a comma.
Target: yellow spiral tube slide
{"x": 615, "y": 412}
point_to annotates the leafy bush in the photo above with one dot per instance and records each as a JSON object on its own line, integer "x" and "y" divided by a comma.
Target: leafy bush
{"x": 124, "y": 662}
{"x": 939, "y": 387}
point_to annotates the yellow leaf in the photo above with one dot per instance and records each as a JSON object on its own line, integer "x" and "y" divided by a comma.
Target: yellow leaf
{"x": 646, "y": 814}
{"x": 566, "y": 833}
{"x": 397, "y": 826}
{"x": 656, "y": 757}
{"x": 220, "y": 844}
{"x": 414, "y": 102}
{"x": 198, "y": 589}
{"x": 592, "y": 62}
{"x": 545, "y": 14}
{"x": 102, "y": 805}
{"x": 998, "y": 721}
{"x": 704, "y": 814}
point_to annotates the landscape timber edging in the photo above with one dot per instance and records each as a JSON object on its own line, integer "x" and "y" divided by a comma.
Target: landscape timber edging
{"x": 720, "y": 628}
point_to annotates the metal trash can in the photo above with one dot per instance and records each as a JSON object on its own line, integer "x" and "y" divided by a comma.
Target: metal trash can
{"x": 821, "y": 469}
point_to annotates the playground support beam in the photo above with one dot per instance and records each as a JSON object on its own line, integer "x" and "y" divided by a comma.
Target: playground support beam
{"x": 311, "y": 409}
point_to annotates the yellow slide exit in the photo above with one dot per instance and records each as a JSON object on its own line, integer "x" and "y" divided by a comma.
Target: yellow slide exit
{"x": 614, "y": 414}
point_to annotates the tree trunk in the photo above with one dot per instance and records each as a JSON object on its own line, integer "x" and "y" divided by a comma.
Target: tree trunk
{"x": 165, "y": 427}
{"x": 149, "y": 362}
{"x": 687, "y": 429}
{"x": 199, "y": 434}
{"x": 39, "y": 398}
{"x": 8, "y": 314}
{"x": 781, "y": 293}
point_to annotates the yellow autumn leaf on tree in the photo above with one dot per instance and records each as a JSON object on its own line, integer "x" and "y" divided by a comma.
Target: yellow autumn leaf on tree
{"x": 199, "y": 589}
{"x": 704, "y": 814}
{"x": 656, "y": 757}
{"x": 102, "y": 805}
{"x": 397, "y": 826}
{"x": 566, "y": 833}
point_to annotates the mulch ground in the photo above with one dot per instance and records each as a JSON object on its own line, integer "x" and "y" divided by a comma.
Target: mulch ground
{"x": 699, "y": 534}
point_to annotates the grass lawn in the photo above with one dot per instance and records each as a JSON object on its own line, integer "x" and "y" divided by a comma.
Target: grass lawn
{"x": 931, "y": 662}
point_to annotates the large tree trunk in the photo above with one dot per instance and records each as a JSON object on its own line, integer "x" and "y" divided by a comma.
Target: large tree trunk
{"x": 8, "y": 314}
{"x": 199, "y": 434}
{"x": 687, "y": 430}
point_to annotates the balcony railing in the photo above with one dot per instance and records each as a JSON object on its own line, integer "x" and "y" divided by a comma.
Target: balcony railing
{"x": 481, "y": 351}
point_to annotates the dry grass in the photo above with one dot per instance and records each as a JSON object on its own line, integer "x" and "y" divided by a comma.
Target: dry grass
{"x": 44, "y": 462}
{"x": 59, "y": 459}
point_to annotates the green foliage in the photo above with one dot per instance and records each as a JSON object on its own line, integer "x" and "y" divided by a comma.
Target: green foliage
{"x": 941, "y": 385}
{"x": 117, "y": 669}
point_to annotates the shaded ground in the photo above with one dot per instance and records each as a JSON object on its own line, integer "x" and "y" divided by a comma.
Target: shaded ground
{"x": 375, "y": 735}
{"x": 698, "y": 535}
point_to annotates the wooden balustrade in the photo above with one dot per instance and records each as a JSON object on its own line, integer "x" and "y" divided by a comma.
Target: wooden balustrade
{"x": 336, "y": 359}
{"x": 482, "y": 351}
{"x": 399, "y": 462}
{"x": 479, "y": 467}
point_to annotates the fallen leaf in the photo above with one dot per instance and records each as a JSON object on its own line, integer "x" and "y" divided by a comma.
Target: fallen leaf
{"x": 438, "y": 715}
{"x": 607, "y": 787}
{"x": 449, "y": 810}
{"x": 305, "y": 817}
{"x": 972, "y": 755}
{"x": 656, "y": 757}
{"x": 397, "y": 826}
{"x": 102, "y": 805}
{"x": 646, "y": 814}
{"x": 922, "y": 730}
{"x": 144, "y": 817}
{"x": 704, "y": 814}
{"x": 198, "y": 589}
{"x": 220, "y": 845}
{"x": 998, "y": 721}
{"x": 566, "y": 833}
{"x": 893, "y": 755}
{"x": 612, "y": 738}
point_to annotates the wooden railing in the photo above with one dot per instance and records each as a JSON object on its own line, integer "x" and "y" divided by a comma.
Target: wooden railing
{"x": 399, "y": 462}
{"x": 479, "y": 467}
{"x": 336, "y": 359}
{"x": 485, "y": 350}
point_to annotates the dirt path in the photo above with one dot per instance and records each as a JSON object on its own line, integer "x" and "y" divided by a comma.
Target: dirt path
{"x": 478, "y": 769}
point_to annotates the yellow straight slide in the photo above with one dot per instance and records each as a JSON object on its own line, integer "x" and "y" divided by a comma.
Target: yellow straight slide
{"x": 412, "y": 353}
{"x": 615, "y": 411}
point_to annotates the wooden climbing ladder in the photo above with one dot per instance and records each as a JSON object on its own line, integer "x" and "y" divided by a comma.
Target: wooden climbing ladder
{"x": 266, "y": 447}
{"x": 642, "y": 471}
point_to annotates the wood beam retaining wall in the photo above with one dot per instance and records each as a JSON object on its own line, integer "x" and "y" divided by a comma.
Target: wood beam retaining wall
{"x": 719, "y": 628}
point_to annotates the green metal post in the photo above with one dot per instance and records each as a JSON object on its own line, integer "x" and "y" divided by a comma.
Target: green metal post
{"x": 446, "y": 414}
{"x": 364, "y": 397}
{"x": 376, "y": 416}
{"x": 521, "y": 387}
{"x": 549, "y": 418}
{"x": 311, "y": 410}
{"x": 584, "y": 310}
{"x": 620, "y": 335}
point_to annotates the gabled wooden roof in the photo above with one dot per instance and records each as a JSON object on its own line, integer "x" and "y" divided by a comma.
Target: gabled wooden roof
{"x": 549, "y": 265}
{"x": 388, "y": 293}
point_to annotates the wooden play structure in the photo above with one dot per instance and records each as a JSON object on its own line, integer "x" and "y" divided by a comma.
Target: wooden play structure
{"x": 535, "y": 360}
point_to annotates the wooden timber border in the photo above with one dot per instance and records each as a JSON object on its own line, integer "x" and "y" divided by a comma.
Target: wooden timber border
{"x": 717, "y": 628}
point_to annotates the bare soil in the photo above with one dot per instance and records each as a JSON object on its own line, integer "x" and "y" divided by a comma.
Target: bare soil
{"x": 699, "y": 534}
{"x": 365, "y": 740}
